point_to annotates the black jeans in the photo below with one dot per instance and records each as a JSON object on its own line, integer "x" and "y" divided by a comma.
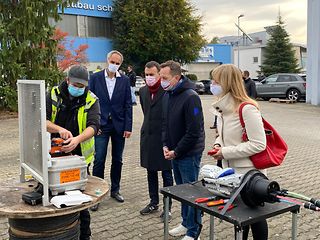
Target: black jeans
{"x": 85, "y": 231}
{"x": 259, "y": 231}
{"x": 153, "y": 185}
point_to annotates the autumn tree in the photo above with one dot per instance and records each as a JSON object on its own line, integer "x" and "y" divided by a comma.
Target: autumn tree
{"x": 67, "y": 54}
{"x": 157, "y": 30}
{"x": 28, "y": 49}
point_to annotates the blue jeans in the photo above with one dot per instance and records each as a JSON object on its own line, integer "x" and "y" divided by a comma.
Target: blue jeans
{"x": 153, "y": 184}
{"x": 101, "y": 145}
{"x": 186, "y": 170}
{"x": 133, "y": 95}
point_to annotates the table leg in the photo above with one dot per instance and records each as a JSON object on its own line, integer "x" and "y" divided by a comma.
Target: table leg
{"x": 166, "y": 217}
{"x": 294, "y": 232}
{"x": 238, "y": 231}
{"x": 211, "y": 227}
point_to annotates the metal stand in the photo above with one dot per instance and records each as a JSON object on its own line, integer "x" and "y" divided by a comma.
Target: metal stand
{"x": 238, "y": 231}
{"x": 211, "y": 227}
{"x": 166, "y": 217}
{"x": 294, "y": 231}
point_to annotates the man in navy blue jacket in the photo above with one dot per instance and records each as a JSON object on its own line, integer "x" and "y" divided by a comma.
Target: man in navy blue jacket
{"x": 113, "y": 91}
{"x": 183, "y": 138}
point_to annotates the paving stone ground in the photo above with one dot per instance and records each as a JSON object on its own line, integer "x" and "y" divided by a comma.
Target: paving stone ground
{"x": 298, "y": 123}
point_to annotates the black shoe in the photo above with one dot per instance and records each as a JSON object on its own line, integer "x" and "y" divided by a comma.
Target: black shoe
{"x": 150, "y": 208}
{"x": 117, "y": 196}
{"x": 95, "y": 207}
{"x": 169, "y": 217}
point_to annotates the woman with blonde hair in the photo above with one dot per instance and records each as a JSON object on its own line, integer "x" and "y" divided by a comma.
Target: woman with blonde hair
{"x": 229, "y": 93}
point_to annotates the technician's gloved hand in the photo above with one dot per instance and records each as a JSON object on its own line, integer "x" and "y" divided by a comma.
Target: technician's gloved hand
{"x": 70, "y": 144}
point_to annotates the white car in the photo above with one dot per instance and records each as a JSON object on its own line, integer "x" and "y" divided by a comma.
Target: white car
{"x": 139, "y": 83}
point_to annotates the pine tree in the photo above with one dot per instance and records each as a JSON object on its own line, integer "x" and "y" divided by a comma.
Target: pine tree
{"x": 156, "y": 30}
{"x": 279, "y": 52}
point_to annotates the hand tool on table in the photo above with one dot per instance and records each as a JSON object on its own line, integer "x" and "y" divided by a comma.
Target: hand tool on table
{"x": 207, "y": 199}
{"x": 229, "y": 208}
{"x": 217, "y": 202}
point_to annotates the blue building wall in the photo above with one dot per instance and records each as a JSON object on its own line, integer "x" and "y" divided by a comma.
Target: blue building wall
{"x": 94, "y": 8}
{"x": 98, "y": 47}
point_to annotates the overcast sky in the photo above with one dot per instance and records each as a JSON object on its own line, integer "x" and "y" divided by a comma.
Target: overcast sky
{"x": 219, "y": 16}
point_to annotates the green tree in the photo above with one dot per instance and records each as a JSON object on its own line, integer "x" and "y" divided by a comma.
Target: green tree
{"x": 28, "y": 50}
{"x": 156, "y": 30}
{"x": 214, "y": 40}
{"x": 279, "y": 52}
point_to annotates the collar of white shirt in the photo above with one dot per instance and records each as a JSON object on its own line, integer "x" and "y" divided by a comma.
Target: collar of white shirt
{"x": 106, "y": 74}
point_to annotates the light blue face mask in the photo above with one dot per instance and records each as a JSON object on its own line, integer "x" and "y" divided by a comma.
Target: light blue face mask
{"x": 215, "y": 89}
{"x": 75, "y": 91}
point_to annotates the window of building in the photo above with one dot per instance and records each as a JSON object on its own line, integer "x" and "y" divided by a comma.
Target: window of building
{"x": 255, "y": 59}
{"x": 68, "y": 24}
{"x": 100, "y": 27}
{"x": 85, "y": 26}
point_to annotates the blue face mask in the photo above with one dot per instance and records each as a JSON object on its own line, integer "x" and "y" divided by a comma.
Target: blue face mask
{"x": 75, "y": 91}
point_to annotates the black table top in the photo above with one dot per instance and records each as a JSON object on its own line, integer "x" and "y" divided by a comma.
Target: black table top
{"x": 240, "y": 216}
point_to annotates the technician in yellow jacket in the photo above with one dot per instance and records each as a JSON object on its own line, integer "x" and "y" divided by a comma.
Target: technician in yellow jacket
{"x": 73, "y": 113}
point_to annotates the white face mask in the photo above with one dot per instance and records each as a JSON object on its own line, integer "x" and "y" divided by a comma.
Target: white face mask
{"x": 215, "y": 89}
{"x": 113, "y": 67}
{"x": 151, "y": 80}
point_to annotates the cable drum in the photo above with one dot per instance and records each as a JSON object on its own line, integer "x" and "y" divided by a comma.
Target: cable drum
{"x": 46, "y": 228}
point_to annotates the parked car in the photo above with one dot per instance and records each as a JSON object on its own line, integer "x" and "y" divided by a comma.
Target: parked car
{"x": 206, "y": 84}
{"x": 139, "y": 84}
{"x": 282, "y": 85}
{"x": 199, "y": 87}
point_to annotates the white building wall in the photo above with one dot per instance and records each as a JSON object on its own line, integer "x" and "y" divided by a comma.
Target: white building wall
{"x": 313, "y": 63}
{"x": 247, "y": 61}
{"x": 202, "y": 70}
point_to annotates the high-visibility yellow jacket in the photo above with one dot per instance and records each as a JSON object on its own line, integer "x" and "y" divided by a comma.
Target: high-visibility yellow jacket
{"x": 87, "y": 147}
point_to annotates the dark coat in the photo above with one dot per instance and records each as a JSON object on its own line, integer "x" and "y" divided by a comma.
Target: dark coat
{"x": 183, "y": 126}
{"x": 119, "y": 107}
{"x": 151, "y": 153}
{"x": 250, "y": 86}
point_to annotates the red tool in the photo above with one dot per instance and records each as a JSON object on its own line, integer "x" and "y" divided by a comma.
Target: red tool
{"x": 202, "y": 200}
{"x": 213, "y": 151}
{"x": 217, "y": 202}
{"x": 229, "y": 208}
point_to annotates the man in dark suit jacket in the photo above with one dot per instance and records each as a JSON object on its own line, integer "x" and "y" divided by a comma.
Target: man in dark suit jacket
{"x": 250, "y": 85}
{"x": 151, "y": 153}
{"x": 113, "y": 91}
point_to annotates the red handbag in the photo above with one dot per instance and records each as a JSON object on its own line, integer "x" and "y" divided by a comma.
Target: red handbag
{"x": 276, "y": 148}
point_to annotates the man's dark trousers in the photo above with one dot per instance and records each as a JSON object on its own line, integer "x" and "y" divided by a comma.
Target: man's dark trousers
{"x": 153, "y": 184}
{"x": 101, "y": 146}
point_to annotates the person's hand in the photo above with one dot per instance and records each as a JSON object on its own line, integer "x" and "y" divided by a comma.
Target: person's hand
{"x": 126, "y": 134}
{"x": 218, "y": 155}
{"x": 165, "y": 151}
{"x": 99, "y": 132}
{"x": 70, "y": 144}
{"x": 169, "y": 155}
{"x": 65, "y": 134}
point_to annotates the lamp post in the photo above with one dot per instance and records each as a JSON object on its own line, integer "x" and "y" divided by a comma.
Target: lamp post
{"x": 240, "y": 16}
